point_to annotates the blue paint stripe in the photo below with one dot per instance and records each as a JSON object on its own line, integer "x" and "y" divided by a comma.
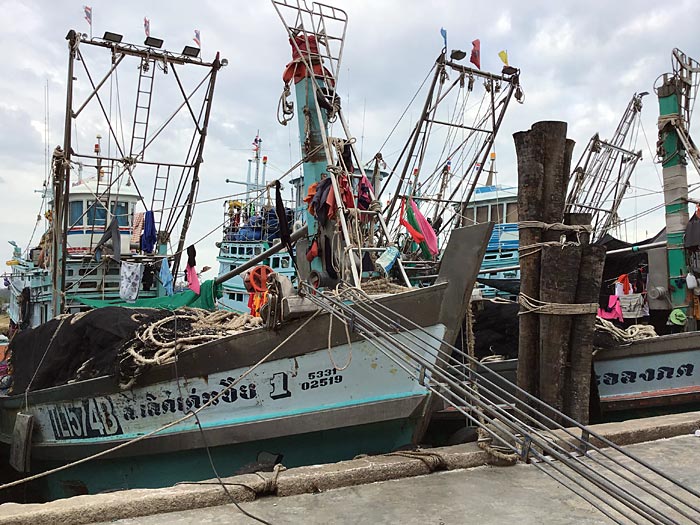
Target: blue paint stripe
{"x": 248, "y": 419}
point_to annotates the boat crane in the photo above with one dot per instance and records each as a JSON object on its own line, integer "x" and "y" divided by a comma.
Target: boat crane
{"x": 601, "y": 177}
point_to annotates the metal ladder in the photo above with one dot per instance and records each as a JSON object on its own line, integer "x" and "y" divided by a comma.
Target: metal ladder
{"x": 160, "y": 190}
{"x": 142, "y": 111}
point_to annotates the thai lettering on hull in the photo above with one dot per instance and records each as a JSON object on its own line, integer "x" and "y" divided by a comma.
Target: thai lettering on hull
{"x": 304, "y": 383}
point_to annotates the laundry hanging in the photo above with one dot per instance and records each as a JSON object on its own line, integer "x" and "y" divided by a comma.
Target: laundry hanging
{"x": 190, "y": 272}
{"x": 166, "y": 277}
{"x": 149, "y": 237}
{"x": 112, "y": 232}
{"x": 137, "y": 228}
{"x": 613, "y": 310}
{"x": 130, "y": 280}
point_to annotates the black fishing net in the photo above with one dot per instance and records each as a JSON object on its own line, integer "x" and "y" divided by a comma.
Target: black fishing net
{"x": 81, "y": 346}
{"x": 114, "y": 341}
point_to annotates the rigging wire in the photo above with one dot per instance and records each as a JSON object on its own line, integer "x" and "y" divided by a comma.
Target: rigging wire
{"x": 527, "y": 436}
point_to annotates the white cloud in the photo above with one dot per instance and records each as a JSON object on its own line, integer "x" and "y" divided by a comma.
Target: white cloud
{"x": 580, "y": 63}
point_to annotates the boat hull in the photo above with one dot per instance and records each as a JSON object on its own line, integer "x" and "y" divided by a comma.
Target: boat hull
{"x": 322, "y": 381}
{"x": 661, "y": 371}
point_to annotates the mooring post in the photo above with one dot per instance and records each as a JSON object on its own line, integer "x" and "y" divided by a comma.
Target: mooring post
{"x": 529, "y": 147}
{"x": 590, "y": 275}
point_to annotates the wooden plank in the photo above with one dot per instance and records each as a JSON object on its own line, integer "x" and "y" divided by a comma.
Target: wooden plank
{"x": 20, "y": 450}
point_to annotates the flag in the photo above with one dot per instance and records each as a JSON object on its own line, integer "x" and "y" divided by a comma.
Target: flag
{"x": 477, "y": 166}
{"x": 256, "y": 143}
{"x": 476, "y": 53}
{"x": 449, "y": 164}
{"x": 147, "y": 26}
{"x": 196, "y": 38}
{"x": 88, "y": 14}
{"x": 443, "y": 32}
{"x": 503, "y": 56}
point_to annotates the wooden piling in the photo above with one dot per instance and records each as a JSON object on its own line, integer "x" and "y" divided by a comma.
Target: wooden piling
{"x": 590, "y": 275}
{"x": 529, "y": 147}
{"x": 544, "y": 158}
{"x": 558, "y": 282}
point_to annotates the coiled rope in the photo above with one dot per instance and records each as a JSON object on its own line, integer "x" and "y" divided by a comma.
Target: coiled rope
{"x": 635, "y": 332}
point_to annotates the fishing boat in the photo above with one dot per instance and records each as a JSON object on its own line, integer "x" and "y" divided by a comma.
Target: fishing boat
{"x": 638, "y": 369}
{"x": 250, "y": 228}
{"x": 300, "y": 388}
{"x": 121, "y": 204}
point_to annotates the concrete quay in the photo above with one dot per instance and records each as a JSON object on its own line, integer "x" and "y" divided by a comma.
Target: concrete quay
{"x": 385, "y": 489}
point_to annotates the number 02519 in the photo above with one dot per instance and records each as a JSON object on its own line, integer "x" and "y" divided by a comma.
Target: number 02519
{"x": 322, "y": 378}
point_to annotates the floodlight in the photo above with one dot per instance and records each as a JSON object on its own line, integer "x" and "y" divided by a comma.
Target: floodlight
{"x": 112, "y": 37}
{"x": 457, "y": 54}
{"x": 153, "y": 42}
{"x": 191, "y": 51}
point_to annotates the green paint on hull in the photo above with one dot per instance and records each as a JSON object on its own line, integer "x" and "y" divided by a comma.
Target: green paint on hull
{"x": 162, "y": 470}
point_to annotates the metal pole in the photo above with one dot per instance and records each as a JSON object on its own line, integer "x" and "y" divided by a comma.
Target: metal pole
{"x": 216, "y": 65}
{"x": 60, "y": 220}
{"x": 423, "y": 118}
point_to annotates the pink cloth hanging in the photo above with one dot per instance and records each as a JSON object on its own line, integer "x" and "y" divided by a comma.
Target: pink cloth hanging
{"x": 614, "y": 310}
{"x": 426, "y": 229}
{"x": 192, "y": 278}
{"x": 137, "y": 228}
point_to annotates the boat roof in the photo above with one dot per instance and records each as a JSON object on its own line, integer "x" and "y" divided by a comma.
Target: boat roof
{"x": 495, "y": 193}
{"x": 88, "y": 186}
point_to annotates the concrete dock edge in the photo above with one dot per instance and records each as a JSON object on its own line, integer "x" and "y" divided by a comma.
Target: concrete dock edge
{"x": 317, "y": 478}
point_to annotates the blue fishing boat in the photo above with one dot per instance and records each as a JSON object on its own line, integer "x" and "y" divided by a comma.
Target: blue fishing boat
{"x": 250, "y": 228}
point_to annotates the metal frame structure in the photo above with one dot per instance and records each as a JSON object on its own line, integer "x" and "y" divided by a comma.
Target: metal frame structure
{"x": 601, "y": 177}
{"x": 473, "y": 150}
{"x": 123, "y": 165}
{"x": 328, "y": 25}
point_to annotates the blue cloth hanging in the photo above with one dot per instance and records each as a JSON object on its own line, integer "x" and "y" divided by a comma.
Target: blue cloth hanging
{"x": 148, "y": 237}
{"x": 166, "y": 277}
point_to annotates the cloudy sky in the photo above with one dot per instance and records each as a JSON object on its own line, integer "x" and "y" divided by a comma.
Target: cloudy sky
{"x": 581, "y": 62}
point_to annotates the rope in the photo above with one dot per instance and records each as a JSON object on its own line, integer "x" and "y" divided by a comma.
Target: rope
{"x": 531, "y": 305}
{"x": 636, "y": 332}
{"x": 382, "y": 286}
{"x": 330, "y": 352}
{"x": 153, "y": 343}
{"x": 182, "y": 419}
{"x": 556, "y": 226}
{"x": 433, "y": 460}
{"x": 485, "y": 443}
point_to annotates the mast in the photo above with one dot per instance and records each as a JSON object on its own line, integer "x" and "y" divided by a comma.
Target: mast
{"x": 62, "y": 190}
{"x": 600, "y": 179}
{"x": 675, "y": 94}
{"x": 215, "y": 66}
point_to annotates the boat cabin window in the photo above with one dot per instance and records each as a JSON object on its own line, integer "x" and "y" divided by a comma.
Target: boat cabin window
{"x": 97, "y": 214}
{"x": 497, "y": 213}
{"x": 285, "y": 262}
{"x": 512, "y": 212}
{"x": 275, "y": 262}
{"x": 121, "y": 212}
{"x": 76, "y": 213}
{"x": 482, "y": 214}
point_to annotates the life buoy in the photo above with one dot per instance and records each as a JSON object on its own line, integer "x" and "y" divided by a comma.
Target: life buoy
{"x": 258, "y": 277}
